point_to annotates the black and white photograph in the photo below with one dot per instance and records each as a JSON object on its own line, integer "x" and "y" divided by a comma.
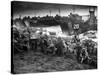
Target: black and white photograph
{"x": 53, "y": 37}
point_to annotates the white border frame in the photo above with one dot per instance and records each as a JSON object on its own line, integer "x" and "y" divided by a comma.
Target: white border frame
{"x": 5, "y": 38}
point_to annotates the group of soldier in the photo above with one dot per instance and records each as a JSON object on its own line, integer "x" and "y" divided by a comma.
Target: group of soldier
{"x": 48, "y": 45}
{"x": 54, "y": 46}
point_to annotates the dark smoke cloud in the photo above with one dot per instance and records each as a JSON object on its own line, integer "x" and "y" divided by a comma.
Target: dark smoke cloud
{"x": 25, "y": 7}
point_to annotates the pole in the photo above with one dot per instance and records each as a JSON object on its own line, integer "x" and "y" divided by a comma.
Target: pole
{"x": 59, "y": 12}
{"x": 50, "y": 12}
{"x": 28, "y": 45}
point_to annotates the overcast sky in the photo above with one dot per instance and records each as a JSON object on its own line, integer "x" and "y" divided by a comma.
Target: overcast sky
{"x": 42, "y": 9}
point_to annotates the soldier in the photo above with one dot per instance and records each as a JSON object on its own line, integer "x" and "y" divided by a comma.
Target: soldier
{"x": 52, "y": 47}
{"x": 60, "y": 46}
{"x": 84, "y": 55}
{"x": 43, "y": 44}
{"x": 78, "y": 49}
